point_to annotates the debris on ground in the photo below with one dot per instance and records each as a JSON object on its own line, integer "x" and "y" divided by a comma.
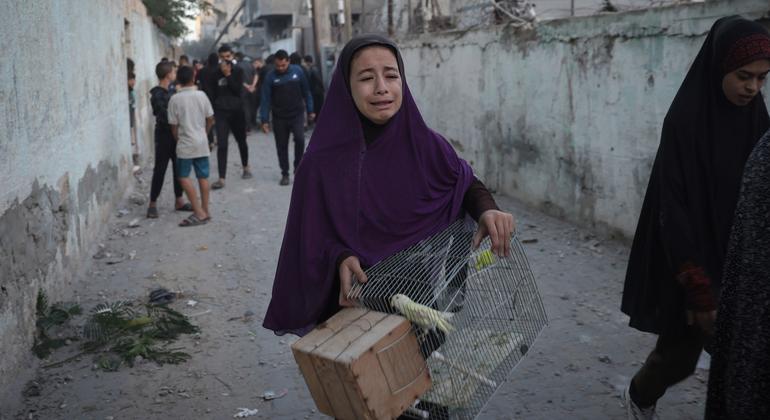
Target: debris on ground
{"x": 32, "y": 389}
{"x": 529, "y": 241}
{"x": 605, "y": 359}
{"x": 48, "y": 317}
{"x": 119, "y": 328}
{"x": 192, "y": 303}
{"x": 138, "y": 199}
{"x": 102, "y": 252}
{"x": 272, "y": 395}
{"x": 123, "y": 212}
{"x": 245, "y": 412}
{"x": 134, "y": 223}
{"x": 247, "y": 316}
{"x": 118, "y": 333}
{"x": 161, "y": 296}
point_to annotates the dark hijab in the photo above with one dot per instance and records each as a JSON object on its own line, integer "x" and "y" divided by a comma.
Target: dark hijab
{"x": 688, "y": 209}
{"x": 370, "y": 199}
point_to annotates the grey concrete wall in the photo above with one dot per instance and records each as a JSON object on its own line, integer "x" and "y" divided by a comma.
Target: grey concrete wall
{"x": 65, "y": 151}
{"x": 565, "y": 116}
{"x": 144, "y": 44}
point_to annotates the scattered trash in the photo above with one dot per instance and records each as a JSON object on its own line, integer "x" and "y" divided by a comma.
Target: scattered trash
{"x": 207, "y": 311}
{"x": 123, "y": 212}
{"x": 115, "y": 260}
{"x": 132, "y": 255}
{"x": 594, "y": 246}
{"x": 162, "y": 296}
{"x": 246, "y": 317}
{"x": 32, "y": 389}
{"x": 192, "y": 303}
{"x": 203, "y": 248}
{"x": 102, "y": 252}
{"x": 529, "y": 241}
{"x": 245, "y": 412}
{"x": 138, "y": 199}
{"x": 272, "y": 395}
{"x": 605, "y": 359}
{"x": 134, "y": 223}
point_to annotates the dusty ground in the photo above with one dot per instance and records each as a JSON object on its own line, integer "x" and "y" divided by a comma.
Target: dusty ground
{"x": 575, "y": 370}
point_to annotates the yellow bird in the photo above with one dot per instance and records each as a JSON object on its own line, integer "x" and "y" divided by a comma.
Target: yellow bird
{"x": 425, "y": 317}
{"x": 485, "y": 259}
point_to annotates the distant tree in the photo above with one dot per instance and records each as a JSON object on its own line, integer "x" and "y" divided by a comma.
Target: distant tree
{"x": 169, "y": 15}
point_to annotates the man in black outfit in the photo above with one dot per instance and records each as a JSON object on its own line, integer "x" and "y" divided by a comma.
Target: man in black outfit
{"x": 226, "y": 86}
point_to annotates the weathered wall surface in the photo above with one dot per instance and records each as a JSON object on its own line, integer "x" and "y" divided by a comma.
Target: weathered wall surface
{"x": 144, "y": 44}
{"x": 565, "y": 116}
{"x": 65, "y": 151}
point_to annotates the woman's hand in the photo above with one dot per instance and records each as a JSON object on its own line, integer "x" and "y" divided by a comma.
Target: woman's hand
{"x": 499, "y": 226}
{"x": 349, "y": 268}
{"x": 703, "y": 320}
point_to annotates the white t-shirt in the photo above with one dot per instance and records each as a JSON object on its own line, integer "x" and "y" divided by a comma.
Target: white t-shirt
{"x": 188, "y": 109}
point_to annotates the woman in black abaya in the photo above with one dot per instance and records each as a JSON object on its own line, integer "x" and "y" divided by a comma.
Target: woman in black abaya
{"x": 675, "y": 268}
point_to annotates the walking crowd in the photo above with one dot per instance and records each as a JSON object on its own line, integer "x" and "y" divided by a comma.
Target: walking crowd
{"x": 197, "y": 106}
{"x": 376, "y": 178}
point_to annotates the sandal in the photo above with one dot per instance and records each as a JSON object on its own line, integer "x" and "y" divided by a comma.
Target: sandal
{"x": 218, "y": 185}
{"x": 193, "y": 220}
{"x": 185, "y": 207}
{"x": 152, "y": 212}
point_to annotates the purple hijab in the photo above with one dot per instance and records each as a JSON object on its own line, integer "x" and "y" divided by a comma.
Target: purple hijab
{"x": 367, "y": 200}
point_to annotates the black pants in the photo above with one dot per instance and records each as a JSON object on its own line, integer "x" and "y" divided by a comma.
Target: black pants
{"x": 283, "y": 128}
{"x": 318, "y": 101}
{"x": 227, "y": 121}
{"x": 673, "y": 360}
{"x": 165, "y": 150}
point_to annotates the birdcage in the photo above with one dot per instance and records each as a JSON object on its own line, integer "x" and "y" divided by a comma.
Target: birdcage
{"x": 492, "y": 304}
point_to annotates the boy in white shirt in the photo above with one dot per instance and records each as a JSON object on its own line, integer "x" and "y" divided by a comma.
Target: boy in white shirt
{"x": 191, "y": 117}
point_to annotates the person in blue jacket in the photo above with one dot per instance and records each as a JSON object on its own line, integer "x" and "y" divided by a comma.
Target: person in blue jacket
{"x": 286, "y": 93}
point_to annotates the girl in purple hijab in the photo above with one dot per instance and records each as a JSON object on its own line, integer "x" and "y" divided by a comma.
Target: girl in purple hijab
{"x": 374, "y": 180}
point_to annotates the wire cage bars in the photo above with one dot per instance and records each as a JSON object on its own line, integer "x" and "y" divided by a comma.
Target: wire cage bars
{"x": 491, "y": 304}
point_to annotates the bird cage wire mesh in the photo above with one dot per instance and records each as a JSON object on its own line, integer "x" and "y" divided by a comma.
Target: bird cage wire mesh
{"x": 492, "y": 304}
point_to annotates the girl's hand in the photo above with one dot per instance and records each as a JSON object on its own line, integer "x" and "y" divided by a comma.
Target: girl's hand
{"x": 349, "y": 269}
{"x": 499, "y": 226}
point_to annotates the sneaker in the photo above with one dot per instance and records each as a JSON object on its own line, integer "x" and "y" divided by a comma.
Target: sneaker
{"x": 218, "y": 185}
{"x": 246, "y": 174}
{"x": 633, "y": 411}
{"x": 284, "y": 180}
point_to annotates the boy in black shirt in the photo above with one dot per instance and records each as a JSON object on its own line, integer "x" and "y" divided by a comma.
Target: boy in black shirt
{"x": 165, "y": 146}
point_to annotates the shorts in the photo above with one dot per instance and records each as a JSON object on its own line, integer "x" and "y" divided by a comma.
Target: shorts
{"x": 201, "y": 165}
